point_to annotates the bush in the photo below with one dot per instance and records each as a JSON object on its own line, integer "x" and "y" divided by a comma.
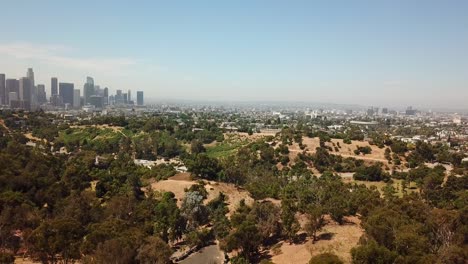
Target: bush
{"x": 325, "y": 258}
{"x": 7, "y": 258}
{"x": 372, "y": 173}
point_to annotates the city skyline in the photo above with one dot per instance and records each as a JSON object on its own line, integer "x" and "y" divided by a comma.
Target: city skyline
{"x": 367, "y": 53}
{"x": 25, "y": 93}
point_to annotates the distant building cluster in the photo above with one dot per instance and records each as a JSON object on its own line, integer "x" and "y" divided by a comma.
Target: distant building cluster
{"x": 24, "y": 94}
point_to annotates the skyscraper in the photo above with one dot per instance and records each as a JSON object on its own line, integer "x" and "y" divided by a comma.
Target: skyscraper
{"x": 12, "y": 98}
{"x": 129, "y": 96}
{"x": 88, "y": 89}
{"x": 119, "y": 97}
{"x": 53, "y": 86}
{"x": 30, "y": 76}
{"x": 3, "y": 93}
{"x": 25, "y": 92}
{"x": 76, "y": 98}
{"x": 66, "y": 93}
{"x": 41, "y": 94}
{"x": 106, "y": 96}
{"x": 140, "y": 98}
{"x": 33, "y": 98}
{"x": 96, "y": 100}
{"x": 12, "y": 86}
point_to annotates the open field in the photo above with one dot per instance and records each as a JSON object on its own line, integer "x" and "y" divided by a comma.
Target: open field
{"x": 346, "y": 150}
{"x": 335, "y": 238}
{"x": 177, "y": 184}
{"x": 232, "y": 142}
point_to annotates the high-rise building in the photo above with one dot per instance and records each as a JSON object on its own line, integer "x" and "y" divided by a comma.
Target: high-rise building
{"x": 25, "y": 92}
{"x": 12, "y": 85}
{"x": 129, "y": 96}
{"x": 66, "y": 93}
{"x": 106, "y": 96}
{"x": 76, "y": 98}
{"x": 3, "y": 95}
{"x": 140, "y": 98}
{"x": 33, "y": 99}
{"x": 88, "y": 89}
{"x": 12, "y": 97}
{"x": 125, "y": 98}
{"x": 30, "y": 76}
{"x": 119, "y": 97}
{"x": 96, "y": 100}
{"x": 41, "y": 94}
{"x": 53, "y": 86}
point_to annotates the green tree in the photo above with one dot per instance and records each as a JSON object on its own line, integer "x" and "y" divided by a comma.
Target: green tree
{"x": 325, "y": 258}
{"x": 154, "y": 251}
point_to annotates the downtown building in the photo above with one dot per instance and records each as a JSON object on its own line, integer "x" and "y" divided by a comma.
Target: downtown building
{"x": 140, "y": 101}
{"x": 66, "y": 91}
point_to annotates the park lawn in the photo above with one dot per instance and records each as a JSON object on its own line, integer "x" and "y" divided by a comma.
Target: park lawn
{"x": 223, "y": 149}
{"x": 88, "y": 134}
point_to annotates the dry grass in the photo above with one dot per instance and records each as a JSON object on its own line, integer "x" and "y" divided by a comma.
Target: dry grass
{"x": 178, "y": 183}
{"x": 338, "y": 239}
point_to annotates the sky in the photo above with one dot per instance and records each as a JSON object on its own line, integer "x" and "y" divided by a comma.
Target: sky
{"x": 373, "y": 53}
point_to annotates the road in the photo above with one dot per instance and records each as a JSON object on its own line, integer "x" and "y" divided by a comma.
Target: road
{"x": 207, "y": 255}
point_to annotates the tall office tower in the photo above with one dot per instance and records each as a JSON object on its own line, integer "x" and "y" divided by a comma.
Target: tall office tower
{"x": 12, "y": 98}
{"x": 118, "y": 97}
{"x": 129, "y": 96}
{"x": 125, "y": 98}
{"x": 76, "y": 98}
{"x": 3, "y": 93}
{"x": 25, "y": 92}
{"x": 106, "y": 96}
{"x": 30, "y": 75}
{"x": 88, "y": 89}
{"x": 140, "y": 98}
{"x": 53, "y": 86}
{"x": 12, "y": 85}
{"x": 66, "y": 93}
{"x": 96, "y": 100}
{"x": 41, "y": 94}
{"x": 97, "y": 90}
{"x": 33, "y": 99}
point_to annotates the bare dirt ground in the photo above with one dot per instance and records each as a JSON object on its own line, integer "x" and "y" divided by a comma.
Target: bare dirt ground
{"x": 346, "y": 150}
{"x": 338, "y": 239}
{"x": 179, "y": 182}
{"x": 31, "y": 137}
{"x": 21, "y": 260}
{"x": 2, "y": 123}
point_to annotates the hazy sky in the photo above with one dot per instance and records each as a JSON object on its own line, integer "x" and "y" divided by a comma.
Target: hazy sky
{"x": 382, "y": 53}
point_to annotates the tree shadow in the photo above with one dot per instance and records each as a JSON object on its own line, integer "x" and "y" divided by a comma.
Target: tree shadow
{"x": 300, "y": 239}
{"x": 264, "y": 254}
{"x": 326, "y": 236}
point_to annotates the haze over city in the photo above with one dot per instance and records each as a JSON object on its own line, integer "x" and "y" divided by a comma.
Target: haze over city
{"x": 390, "y": 53}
